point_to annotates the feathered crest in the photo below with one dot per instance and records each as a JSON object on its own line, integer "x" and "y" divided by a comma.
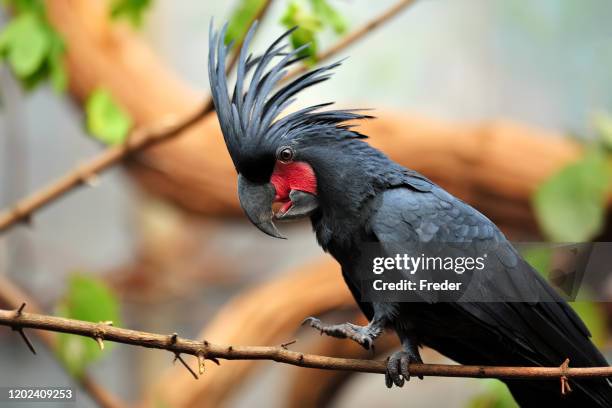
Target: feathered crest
{"x": 248, "y": 118}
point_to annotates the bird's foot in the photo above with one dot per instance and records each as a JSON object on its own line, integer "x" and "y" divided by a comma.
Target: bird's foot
{"x": 362, "y": 335}
{"x": 398, "y": 367}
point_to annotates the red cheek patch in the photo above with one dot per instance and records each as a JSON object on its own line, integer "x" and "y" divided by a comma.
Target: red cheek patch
{"x": 293, "y": 176}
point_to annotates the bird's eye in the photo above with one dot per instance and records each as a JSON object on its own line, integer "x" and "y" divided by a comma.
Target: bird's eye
{"x": 285, "y": 154}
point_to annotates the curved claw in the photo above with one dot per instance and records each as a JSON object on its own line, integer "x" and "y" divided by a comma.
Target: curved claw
{"x": 398, "y": 368}
{"x": 388, "y": 380}
{"x": 312, "y": 321}
{"x": 372, "y": 350}
{"x": 366, "y": 342}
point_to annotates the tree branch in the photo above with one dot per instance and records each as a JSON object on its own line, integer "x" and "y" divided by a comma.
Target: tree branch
{"x": 13, "y": 296}
{"x": 142, "y": 138}
{"x": 353, "y": 37}
{"x": 206, "y": 350}
{"x": 279, "y": 305}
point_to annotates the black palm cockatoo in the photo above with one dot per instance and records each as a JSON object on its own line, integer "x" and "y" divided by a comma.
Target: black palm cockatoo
{"x": 312, "y": 163}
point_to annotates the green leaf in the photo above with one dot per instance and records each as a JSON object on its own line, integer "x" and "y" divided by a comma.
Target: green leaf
{"x": 6, "y": 38}
{"x": 105, "y": 119}
{"x": 30, "y": 82}
{"x": 90, "y": 300}
{"x": 308, "y": 25}
{"x": 241, "y": 17}
{"x": 25, "y": 42}
{"x": 29, "y": 6}
{"x": 132, "y": 10}
{"x": 496, "y": 395}
{"x": 592, "y": 315}
{"x": 329, "y": 16}
{"x": 301, "y": 37}
{"x": 33, "y": 49}
{"x": 603, "y": 125}
{"x": 57, "y": 73}
{"x": 57, "y": 70}
{"x": 540, "y": 258}
{"x": 570, "y": 206}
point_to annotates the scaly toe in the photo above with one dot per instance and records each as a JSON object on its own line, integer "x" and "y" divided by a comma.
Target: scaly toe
{"x": 312, "y": 321}
{"x": 398, "y": 368}
{"x": 393, "y": 371}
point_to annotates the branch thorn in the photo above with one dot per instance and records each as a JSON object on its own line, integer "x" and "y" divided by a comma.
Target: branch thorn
{"x": 25, "y": 339}
{"x": 284, "y": 345}
{"x": 213, "y": 359}
{"x": 177, "y": 356}
{"x": 22, "y": 216}
{"x": 20, "y": 310}
{"x": 92, "y": 181}
{"x": 87, "y": 177}
{"x": 100, "y": 343}
{"x": 201, "y": 363}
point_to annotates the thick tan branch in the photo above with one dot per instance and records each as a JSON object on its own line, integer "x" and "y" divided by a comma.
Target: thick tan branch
{"x": 207, "y": 350}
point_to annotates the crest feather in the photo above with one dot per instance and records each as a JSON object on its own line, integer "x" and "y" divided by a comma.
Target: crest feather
{"x": 250, "y": 117}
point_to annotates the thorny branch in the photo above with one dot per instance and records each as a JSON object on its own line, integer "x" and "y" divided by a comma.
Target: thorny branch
{"x": 142, "y": 138}
{"x": 205, "y": 350}
{"x": 13, "y": 296}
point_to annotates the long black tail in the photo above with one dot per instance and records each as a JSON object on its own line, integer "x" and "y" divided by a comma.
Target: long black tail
{"x": 543, "y": 334}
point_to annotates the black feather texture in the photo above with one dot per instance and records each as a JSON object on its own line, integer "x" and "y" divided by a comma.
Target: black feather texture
{"x": 249, "y": 119}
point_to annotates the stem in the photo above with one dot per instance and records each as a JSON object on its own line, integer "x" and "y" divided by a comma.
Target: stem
{"x": 207, "y": 350}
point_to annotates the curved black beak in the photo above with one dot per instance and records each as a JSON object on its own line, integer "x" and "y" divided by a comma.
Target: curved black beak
{"x": 256, "y": 200}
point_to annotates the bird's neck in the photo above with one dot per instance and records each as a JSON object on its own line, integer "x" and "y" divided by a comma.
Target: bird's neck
{"x": 349, "y": 177}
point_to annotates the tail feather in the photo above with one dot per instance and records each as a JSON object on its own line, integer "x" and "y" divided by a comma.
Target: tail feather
{"x": 585, "y": 393}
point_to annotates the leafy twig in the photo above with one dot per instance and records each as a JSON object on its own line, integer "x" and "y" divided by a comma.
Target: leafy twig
{"x": 356, "y": 35}
{"x": 142, "y": 138}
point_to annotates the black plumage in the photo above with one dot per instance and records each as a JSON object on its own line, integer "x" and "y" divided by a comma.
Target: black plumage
{"x": 365, "y": 197}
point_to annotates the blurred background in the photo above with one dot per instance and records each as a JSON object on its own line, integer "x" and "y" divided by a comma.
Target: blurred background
{"x": 503, "y": 102}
